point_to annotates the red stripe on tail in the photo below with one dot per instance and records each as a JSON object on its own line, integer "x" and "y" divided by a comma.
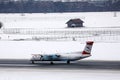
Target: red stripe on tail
{"x": 88, "y": 47}
{"x": 90, "y": 42}
{"x": 85, "y": 52}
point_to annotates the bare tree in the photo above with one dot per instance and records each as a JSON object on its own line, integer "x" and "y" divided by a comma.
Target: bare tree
{"x": 1, "y": 25}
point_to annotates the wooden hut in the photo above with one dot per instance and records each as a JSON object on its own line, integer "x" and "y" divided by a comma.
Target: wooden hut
{"x": 75, "y": 23}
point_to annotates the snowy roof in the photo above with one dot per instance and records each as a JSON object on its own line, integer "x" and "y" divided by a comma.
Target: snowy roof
{"x": 75, "y": 21}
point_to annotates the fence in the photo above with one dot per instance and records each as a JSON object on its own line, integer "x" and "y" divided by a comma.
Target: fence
{"x": 79, "y": 34}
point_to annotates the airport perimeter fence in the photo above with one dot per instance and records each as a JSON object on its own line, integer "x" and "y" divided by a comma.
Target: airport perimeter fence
{"x": 79, "y": 34}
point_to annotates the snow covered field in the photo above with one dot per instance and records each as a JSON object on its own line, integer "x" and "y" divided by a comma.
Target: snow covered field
{"x": 104, "y": 50}
{"x": 58, "y": 20}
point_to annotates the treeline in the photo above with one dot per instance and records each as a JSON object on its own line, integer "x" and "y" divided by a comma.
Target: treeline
{"x": 31, "y": 6}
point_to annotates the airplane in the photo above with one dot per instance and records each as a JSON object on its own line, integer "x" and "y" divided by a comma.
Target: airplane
{"x": 72, "y": 56}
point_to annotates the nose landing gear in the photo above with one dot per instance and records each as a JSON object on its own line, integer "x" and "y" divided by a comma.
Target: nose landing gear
{"x": 33, "y": 62}
{"x": 68, "y": 62}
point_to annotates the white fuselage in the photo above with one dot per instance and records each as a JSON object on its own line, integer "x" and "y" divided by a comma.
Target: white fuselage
{"x": 60, "y": 57}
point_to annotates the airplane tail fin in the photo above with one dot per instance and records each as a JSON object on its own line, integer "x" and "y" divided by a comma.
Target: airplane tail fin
{"x": 88, "y": 48}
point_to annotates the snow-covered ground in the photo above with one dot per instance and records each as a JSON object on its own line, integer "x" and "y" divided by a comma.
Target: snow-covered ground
{"x": 102, "y": 50}
{"x": 38, "y": 74}
{"x": 58, "y": 20}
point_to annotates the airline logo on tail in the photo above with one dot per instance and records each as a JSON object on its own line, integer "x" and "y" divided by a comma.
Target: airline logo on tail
{"x": 88, "y": 48}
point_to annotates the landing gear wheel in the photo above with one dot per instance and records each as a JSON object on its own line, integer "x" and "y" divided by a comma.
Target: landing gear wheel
{"x": 68, "y": 62}
{"x": 33, "y": 62}
{"x": 51, "y": 62}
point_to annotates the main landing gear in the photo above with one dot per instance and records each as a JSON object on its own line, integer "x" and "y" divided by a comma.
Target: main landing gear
{"x": 68, "y": 62}
{"x": 51, "y": 62}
